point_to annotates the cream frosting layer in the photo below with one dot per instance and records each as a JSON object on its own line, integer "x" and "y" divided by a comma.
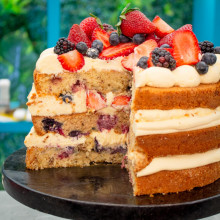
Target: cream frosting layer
{"x": 48, "y": 63}
{"x": 147, "y": 122}
{"x": 105, "y": 139}
{"x": 180, "y": 162}
{"x": 183, "y": 76}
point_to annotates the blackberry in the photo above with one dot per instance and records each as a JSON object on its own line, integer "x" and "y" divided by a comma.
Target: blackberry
{"x": 98, "y": 45}
{"x": 217, "y": 50}
{"x": 202, "y": 67}
{"x": 163, "y": 58}
{"x": 209, "y": 58}
{"x": 114, "y": 39}
{"x": 206, "y": 46}
{"x": 124, "y": 39}
{"x": 138, "y": 38}
{"x": 143, "y": 62}
{"x": 82, "y": 48}
{"x": 108, "y": 27}
{"x": 63, "y": 46}
{"x": 93, "y": 53}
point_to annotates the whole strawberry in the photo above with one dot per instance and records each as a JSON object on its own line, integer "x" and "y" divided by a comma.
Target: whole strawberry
{"x": 132, "y": 22}
{"x": 88, "y": 25}
{"x": 77, "y": 35}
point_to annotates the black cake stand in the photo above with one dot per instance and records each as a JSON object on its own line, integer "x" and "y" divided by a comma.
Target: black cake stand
{"x": 100, "y": 192}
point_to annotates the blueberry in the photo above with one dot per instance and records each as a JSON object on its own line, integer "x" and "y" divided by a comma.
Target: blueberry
{"x": 82, "y": 48}
{"x": 98, "y": 45}
{"x": 202, "y": 67}
{"x": 75, "y": 133}
{"x": 124, "y": 39}
{"x": 209, "y": 58}
{"x": 143, "y": 62}
{"x": 139, "y": 38}
{"x": 93, "y": 53}
{"x": 114, "y": 39}
{"x": 66, "y": 98}
{"x": 217, "y": 50}
{"x": 165, "y": 46}
{"x": 49, "y": 124}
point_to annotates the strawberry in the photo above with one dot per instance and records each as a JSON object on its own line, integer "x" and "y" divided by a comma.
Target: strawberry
{"x": 132, "y": 22}
{"x": 169, "y": 50}
{"x": 121, "y": 100}
{"x": 168, "y": 38}
{"x": 162, "y": 28}
{"x": 88, "y": 25}
{"x": 122, "y": 49}
{"x": 72, "y": 61}
{"x": 94, "y": 100}
{"x": 102, "y": 35}
{"x": 153, "y": 37}
{"x": 77, "y": 35}
{"x": 149, "y": 62}
{"x": 185, "y": 48}
{"x": 128, "y": 62}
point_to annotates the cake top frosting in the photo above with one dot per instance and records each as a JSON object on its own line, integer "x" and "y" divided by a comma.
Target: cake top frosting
{"x": 158, "y": 55}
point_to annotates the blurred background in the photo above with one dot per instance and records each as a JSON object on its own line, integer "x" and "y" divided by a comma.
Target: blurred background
{"x": 29, "y": 26}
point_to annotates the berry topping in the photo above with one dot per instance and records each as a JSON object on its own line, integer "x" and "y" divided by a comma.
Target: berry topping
{"x": 169, "y": 38}
{"x": 162, "y": 28}
{"x": 72, "y": 61}
{"x": 98, "y": 45}
{"x": 128, "y": 62}
{"x": 163, "y": 58}
{"x": 94, "y": 100}
{"x": 82, "y": 48}
{"x": 93, "y": 53}
{"x": 77, "y": 35}
{"x": 143, "y": 62}
{"x": 49, "y": 124}
{"x": 114, "y": 39}
{"x": 209, "y": 58}
{"x": 185, "y": 48}
{"x": 63, "y": 46}
{"x": 102, "y": 35}
{"x": 88, "y": 25}
{"x": 124, "y": 39}
{"x": 117, "y": 51}
{"x": 108, "y": 27}
{"x": 165, "y": 46}
{"x": 107, "y": 122}
{"x": 121, "y": 100}
{"x": 138, "y": 38}
{"x": 217, "y": 50}
{"x": 202, "y": 67}
{"x": 206, "y": 46}
{"x": 66, "y": 98}
{"x": 132, "y": 22}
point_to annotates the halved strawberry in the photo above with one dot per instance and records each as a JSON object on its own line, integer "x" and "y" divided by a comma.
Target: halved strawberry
{"x": 185, "y": 48}
{"x": 169, "y": 50}
{"x": 72, "y": 61}
{"x": 149, "y": 62}
{"x": 102, "y": 35}
{"x": 122, "y": 49}
{"x": 168, "y": 38}
{"x": 94, "y": 100}
{"x": 77, "y": 35}
{"x": 145, "y": 49}
{"x": 162, "y": 28}
{"x": 121, "y": 100}
{"x": 128, "y": 62}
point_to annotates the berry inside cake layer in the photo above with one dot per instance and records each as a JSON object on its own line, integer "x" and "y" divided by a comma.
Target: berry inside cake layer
{"x": 101, "y": 75}
{"x": 91, "y": 146}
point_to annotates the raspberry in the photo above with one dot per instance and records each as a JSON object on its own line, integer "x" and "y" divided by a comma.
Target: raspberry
{"x": 206, "y": 46}
{"x": 63, "y": 46}
{"x": 163, "y": 58}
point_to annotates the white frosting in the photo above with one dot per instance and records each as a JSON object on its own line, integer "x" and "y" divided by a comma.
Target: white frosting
{"x": 49, "y": 64}
{"x": 180, "y": 162}
{"x": 148, "y": 122}
{"x": 186, "y": 76}
{"x": 183, "y": 76}
{"x": 51, "y": 140}
{"x": 109, "y": 138}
